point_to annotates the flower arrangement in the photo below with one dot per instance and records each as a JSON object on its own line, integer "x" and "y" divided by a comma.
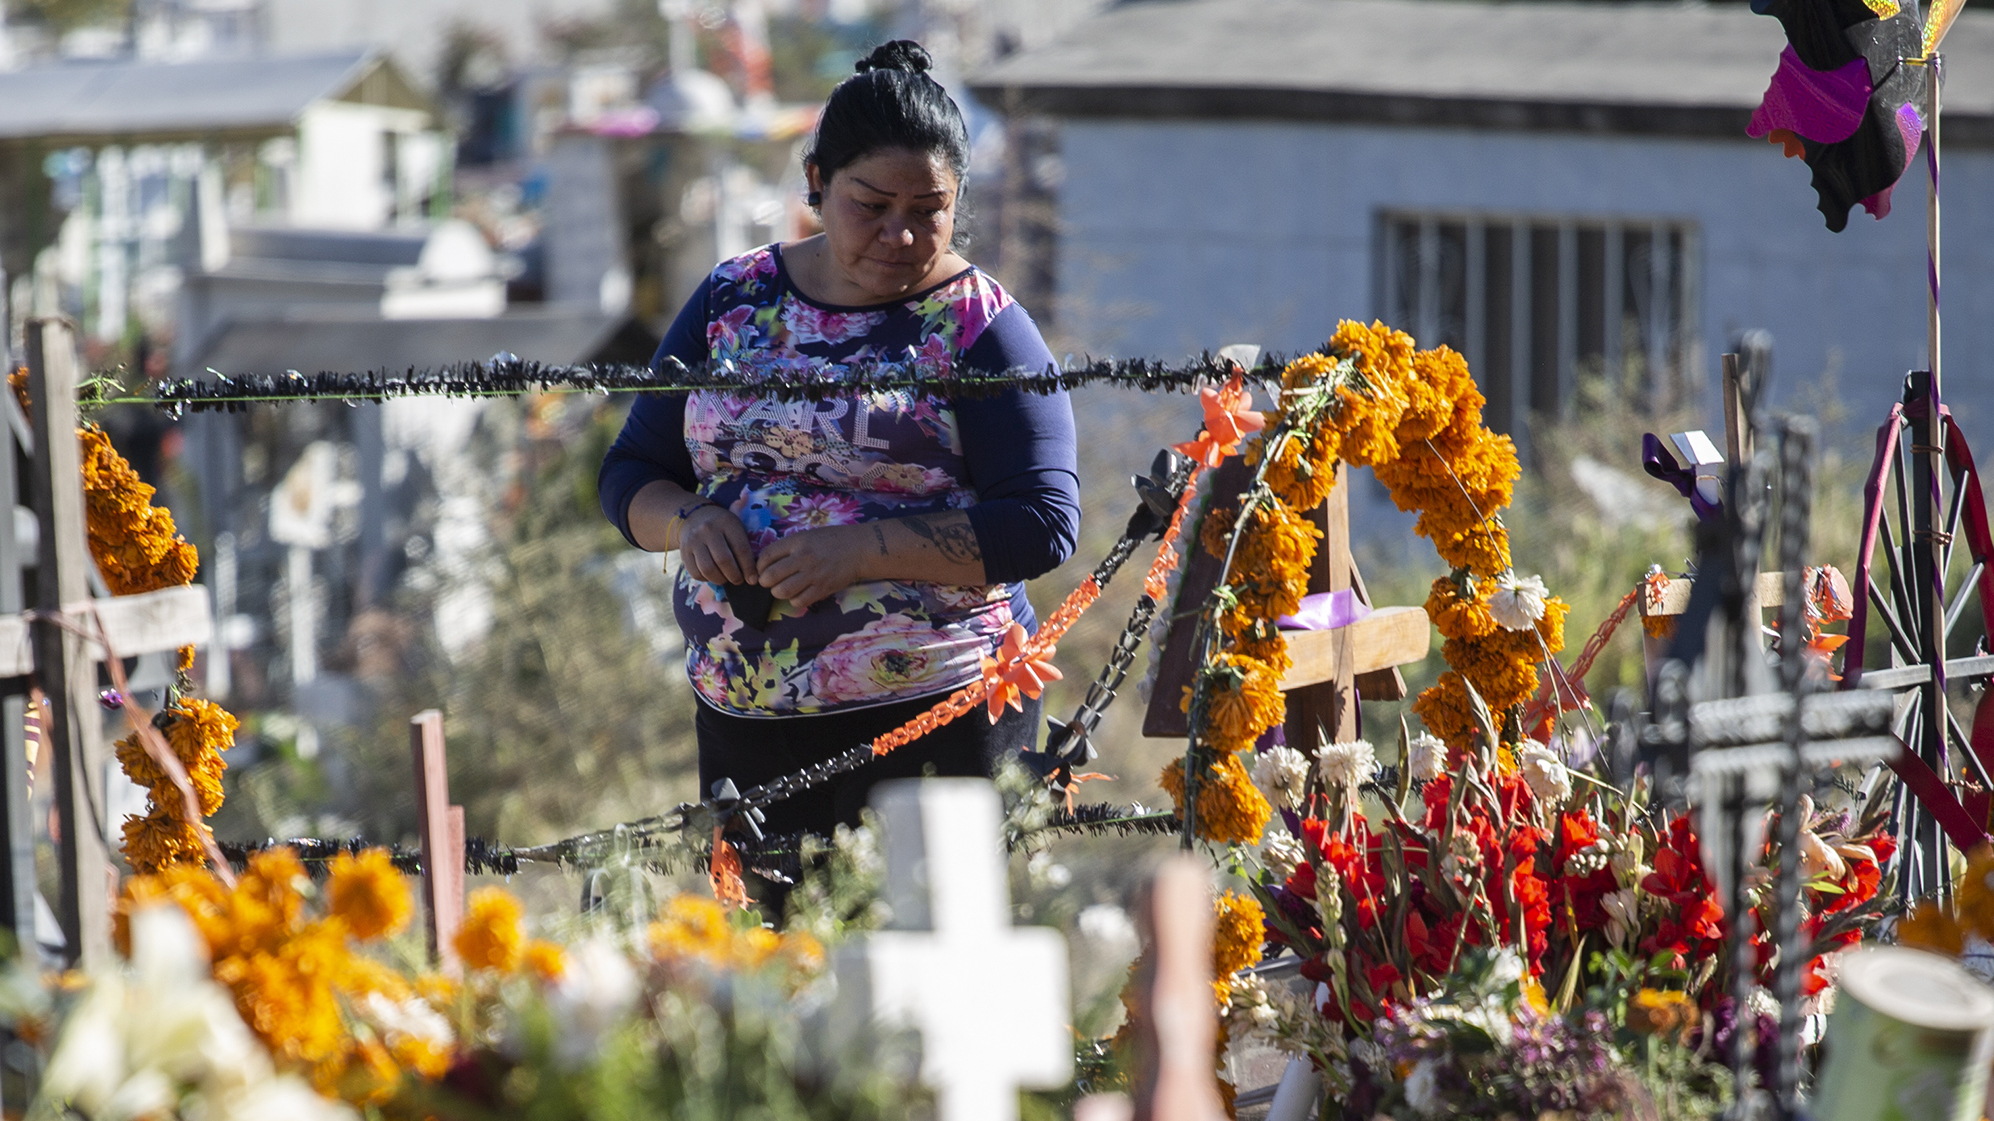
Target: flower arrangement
{"x": 1474, "y": 922}
{"x": 1550, "y": 866}
{"x": 282, "y": 997}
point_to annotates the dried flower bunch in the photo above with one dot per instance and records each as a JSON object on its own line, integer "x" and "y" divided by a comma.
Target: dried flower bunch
{"x": 138, "y": 549}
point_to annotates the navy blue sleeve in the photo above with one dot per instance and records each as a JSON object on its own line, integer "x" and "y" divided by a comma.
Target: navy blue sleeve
{"x": 1021, "y": 455}
{"x": 652, "y": 443}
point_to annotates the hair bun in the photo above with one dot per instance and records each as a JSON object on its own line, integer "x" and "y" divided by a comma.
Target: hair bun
{"x": 900, "y": 54}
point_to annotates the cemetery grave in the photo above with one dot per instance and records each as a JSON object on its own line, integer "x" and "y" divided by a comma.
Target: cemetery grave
{"x": 1529, "y": 907}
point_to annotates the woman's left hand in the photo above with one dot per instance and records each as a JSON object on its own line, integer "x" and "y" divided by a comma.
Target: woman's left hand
{"x": 818, "y": 563}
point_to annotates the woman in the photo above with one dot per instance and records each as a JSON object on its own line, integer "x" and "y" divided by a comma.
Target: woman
{"x": 893, "y": 532}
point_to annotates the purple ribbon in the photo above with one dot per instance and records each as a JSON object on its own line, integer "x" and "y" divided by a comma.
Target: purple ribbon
{"x": 1325, "y": 611}
{"x": 1656, "y": 460}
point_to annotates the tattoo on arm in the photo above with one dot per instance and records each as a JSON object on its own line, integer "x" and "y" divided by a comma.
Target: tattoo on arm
{"x": 953, "y": 537}
{"x": 880, "y": 535}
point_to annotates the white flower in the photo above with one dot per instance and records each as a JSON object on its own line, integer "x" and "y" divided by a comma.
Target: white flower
{"x": 286, "y": 1096}
{"x": 1626, "y": 862}
{"x": 163, "y": 1039}
{"x": 1282, "y": 853}
{"x": 1590, "y": 859}
{"x": 596, "y": 990}
{"x": 1518, "y": 601}
{"x": 1108, "y": 925}
{"x": 1427, "y": 757}
{"x": 1280, "y": 772}
{"x": 1347, "y": 765}
{"x": 1817, "y": 859}
{"x": 1545, "y": 773}
{"x": 1623, "y": 914}
{"x": 413, "y": 1018}
{"x": 89, "y": 1063}
{"x": 1422, "y": 1088}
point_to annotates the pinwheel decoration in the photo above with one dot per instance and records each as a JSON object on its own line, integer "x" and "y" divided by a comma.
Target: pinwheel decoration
{"x": 1847, "y": 92}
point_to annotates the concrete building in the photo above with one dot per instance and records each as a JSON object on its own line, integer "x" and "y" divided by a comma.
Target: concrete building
{"x": 126, "y": 177}
{"x": 1554, "y": 189}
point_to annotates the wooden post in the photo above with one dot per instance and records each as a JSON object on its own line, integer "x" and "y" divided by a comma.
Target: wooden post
{"x": 1177, "y": 1025}
{"x": 442, "y": 838}
{"x": 1329, "y": 708}
{"x": 17, "y": 837}
{"x": 63, "y": 664}
{"x": 1734, "y": 409}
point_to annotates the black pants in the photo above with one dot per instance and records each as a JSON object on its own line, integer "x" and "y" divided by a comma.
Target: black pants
{"x": 752, "y": 751}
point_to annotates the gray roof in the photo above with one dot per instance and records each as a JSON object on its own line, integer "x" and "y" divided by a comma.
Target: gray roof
{"x": 157, "y": 100}
{"x": 1639, "y": 67}
{"x": 328, "y": 341}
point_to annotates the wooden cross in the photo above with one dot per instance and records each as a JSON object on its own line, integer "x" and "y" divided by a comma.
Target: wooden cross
{"x": 62, "y": 660}
{"x": 1332, "y": 669}
{"x": 989, "y": 1000}
{"x": 442, "y": 838}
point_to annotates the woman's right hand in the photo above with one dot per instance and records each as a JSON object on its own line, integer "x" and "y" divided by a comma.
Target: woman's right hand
{"x": 713, "y": 546}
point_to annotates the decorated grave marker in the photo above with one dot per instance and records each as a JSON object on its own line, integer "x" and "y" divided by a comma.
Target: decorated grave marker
{"x": 1334, "y": 667}
{"x": 989, "y": 1000}
{"x": 59, "y": 643}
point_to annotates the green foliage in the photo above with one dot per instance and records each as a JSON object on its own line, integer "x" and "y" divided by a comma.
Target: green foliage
{"x": 843, "y": 879}
{"x": 1683, "y": 1083}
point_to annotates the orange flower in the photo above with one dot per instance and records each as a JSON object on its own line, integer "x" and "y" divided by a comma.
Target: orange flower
{"x": 1229, "y": 417}
{"x": 491, "y": 937}
{"x": 368, "y": 894}
{"x": 1015, "y": 671}
{"x": 1231, "y": 810}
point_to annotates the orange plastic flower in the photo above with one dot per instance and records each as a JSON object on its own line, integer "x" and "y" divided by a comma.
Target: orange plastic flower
{"x": 1229, "y": 418}
{"x": 1014, "y": 671}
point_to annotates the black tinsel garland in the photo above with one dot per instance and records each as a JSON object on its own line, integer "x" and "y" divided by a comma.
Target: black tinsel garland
{"x": 506, "y": 376}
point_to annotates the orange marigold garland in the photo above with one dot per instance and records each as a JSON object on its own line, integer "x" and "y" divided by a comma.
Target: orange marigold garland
{"x": 133, "y": 542}
{"x": 1371, "y": 399}
{"x": 138, "y": 549}
{"x": 199, "y": 732}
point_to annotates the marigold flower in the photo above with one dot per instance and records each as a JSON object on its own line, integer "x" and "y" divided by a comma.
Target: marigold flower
{"x": 491, "y": 937}
{"x": 1231, "y": 809}
{"x": 546, "y": 961}
{"x": 1663, "y": 1012}
{"x": 367, "y": 892}
{"x": 692, "y": 926}
{"x": 1927, "y": 926}
{"x": 1242, "y": 700}
{"x": 1238, "y": 933}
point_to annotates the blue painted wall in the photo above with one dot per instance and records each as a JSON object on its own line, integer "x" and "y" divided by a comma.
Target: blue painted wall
{"x": 1182, "y": 236}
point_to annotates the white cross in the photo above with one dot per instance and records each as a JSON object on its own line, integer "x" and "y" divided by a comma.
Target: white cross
{"x": 989, "y": 1000}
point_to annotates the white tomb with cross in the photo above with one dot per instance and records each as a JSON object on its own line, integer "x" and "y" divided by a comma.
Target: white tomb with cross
{"x": 988, "y": 999}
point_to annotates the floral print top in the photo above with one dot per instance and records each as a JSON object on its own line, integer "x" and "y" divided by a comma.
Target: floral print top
{"x": 786, "y": 467}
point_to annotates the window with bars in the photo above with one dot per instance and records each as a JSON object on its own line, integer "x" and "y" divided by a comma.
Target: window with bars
{"x": 1536, "y": 303}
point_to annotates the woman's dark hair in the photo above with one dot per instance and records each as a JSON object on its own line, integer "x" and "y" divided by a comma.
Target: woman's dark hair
{"x": 890, "y": 103}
